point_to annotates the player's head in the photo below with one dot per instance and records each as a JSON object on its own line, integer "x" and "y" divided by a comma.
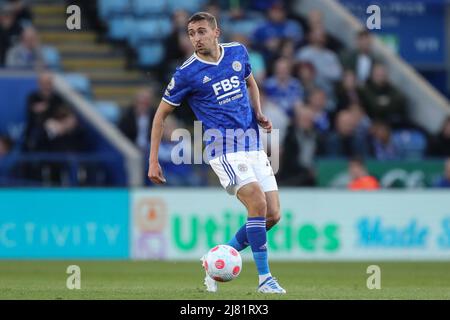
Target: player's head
{"x": 203, "y": 32}
{"x": 356, "y": 167}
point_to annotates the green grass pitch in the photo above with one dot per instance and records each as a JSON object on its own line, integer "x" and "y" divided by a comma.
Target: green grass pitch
{"x": 184, "y": 280}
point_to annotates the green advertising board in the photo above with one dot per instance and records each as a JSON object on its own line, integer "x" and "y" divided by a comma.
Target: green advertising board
{"x": 391, "y": 174}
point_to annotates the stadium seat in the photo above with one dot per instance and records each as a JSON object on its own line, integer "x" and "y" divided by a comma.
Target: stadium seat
{"x": 149, "y": 29}
{"x": 165, "y": 26}
{"x": 107, "y": 8}
{"x": 246, "y": 27}
{"x": 144, "y": 7}
{"x": 412, "y": 143}
{"x": 150, "y": 55}
{"x": 79, "y": 82}
{"x": 120, "y": 28}
{"x": 110, "y": 110}
{"x": 51, "y": 57}
{"x": 188, "y": 5}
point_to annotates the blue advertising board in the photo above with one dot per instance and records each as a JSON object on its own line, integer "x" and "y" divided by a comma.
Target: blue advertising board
{"x": 62, "y": 224}
{"x": 415, "y": 29}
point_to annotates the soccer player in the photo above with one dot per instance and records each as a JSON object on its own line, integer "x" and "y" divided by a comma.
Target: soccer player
{"x": 221, "y": 90}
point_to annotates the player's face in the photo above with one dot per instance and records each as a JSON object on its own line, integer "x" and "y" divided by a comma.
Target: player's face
{"x": 202, "y": 36}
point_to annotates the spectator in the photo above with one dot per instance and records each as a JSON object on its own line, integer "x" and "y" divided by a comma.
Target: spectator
{"x": 317, "y": 103}
{"x": 363, "y": 123}
{"x": 64, "y": 132}
{"x": 282, "y": 88}
{"x": 172, "y": 45}
{"x": 315, "y": 21}
{"x": 238, "y": 21}
{"x": 271, "y": 110}
{"x": 10, "y": 31}
{"x": 382, "y": 101}
{"x": 21, "y": 11}
{"x": 51, "y": 127}
{"x": 5, "y": 146}
{"x": 277, "y": 27}
{"x": 28, "y": 53}
{"x": 306, "y": 73}
{"x": 287, "y": 49}
{"x": 384, "y": 147}
{"x": 136, "y": 123}
{"x": 360, "y": 179}
{"x": 361, "y": 60}
{"x": 41, "y": 105}
{"x": 345, "y": 141}
{"x": 444, "y": 181}
{"x": 300, "y": 147}
{"x": 440, "y": 146}
{"x": 347, "y": 91}
{"x": 324, "y": 60}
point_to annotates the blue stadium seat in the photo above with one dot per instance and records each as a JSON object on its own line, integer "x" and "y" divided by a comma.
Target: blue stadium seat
{"x": 149, "y": 55}
{"x": 106, "y": 8}
{"x": 110, "y": 110}
{"x": 412, "y": 143}
{"x": 165, "y": 26}
{"x": 188, "y": 5}
{"x": 79, "y": 82}
{"x": 146, "y": 7}
{"x": 246, "y": 27}
{"x": 120, "y": 28}
{"x": 149, "y": 29}
{"x": 51, "y": 57}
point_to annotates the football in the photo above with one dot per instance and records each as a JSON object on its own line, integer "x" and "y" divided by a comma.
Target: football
{"x": 223, "y": 263}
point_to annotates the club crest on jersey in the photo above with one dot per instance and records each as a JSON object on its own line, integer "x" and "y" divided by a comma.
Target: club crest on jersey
{"x": 242, "y": 167}
{"x": 171, "y": 84}
{"x": 237, "y": 66}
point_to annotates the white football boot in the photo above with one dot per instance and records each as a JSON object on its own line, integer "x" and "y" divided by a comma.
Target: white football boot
{"x": 210, "y": 283}
{"x": 270, "y": 285}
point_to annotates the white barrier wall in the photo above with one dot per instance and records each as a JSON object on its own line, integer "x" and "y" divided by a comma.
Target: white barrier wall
{"x": 316, "y": 225}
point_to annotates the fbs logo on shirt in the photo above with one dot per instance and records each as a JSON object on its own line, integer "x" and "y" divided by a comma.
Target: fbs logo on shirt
{"x": 226, "y": 85}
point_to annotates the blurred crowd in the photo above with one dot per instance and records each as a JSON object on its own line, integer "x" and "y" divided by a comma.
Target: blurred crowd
{"x": 326, "y": 100}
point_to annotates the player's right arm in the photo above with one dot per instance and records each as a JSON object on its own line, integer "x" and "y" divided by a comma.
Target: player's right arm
{"x": 154, "y": 169}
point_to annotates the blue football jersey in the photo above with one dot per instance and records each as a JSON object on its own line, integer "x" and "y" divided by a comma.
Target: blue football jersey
{"x": 217, "y": 93}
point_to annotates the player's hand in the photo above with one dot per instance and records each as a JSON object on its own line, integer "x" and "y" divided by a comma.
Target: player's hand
{"x": 264, "y": 122}
{"x": 155, "y": 173}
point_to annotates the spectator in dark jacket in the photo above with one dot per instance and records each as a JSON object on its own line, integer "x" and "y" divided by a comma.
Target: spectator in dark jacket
{"x": 301, "y": 145}
{"x": 346, "y": 141}
{"x": 41, "y": 105}
{"x": 440, "y": 146}
{"x": 10, "y": 31}
{"x": 136, "y": 123}
{"x": 361, "y": 60}
{"x": 382, "y": 100}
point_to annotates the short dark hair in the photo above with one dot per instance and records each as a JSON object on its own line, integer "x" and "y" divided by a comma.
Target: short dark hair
{"x": 199, "y": 16}
{"x": 357, "y": 159}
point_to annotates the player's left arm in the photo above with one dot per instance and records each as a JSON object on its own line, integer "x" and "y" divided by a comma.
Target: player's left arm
{"x": 253, "y": 92}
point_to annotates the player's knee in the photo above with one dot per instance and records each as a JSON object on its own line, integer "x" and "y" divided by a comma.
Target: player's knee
{"x": 258, "y": 203}
{"x": 259, "y": 206}
{"x": 272, "y": 220}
